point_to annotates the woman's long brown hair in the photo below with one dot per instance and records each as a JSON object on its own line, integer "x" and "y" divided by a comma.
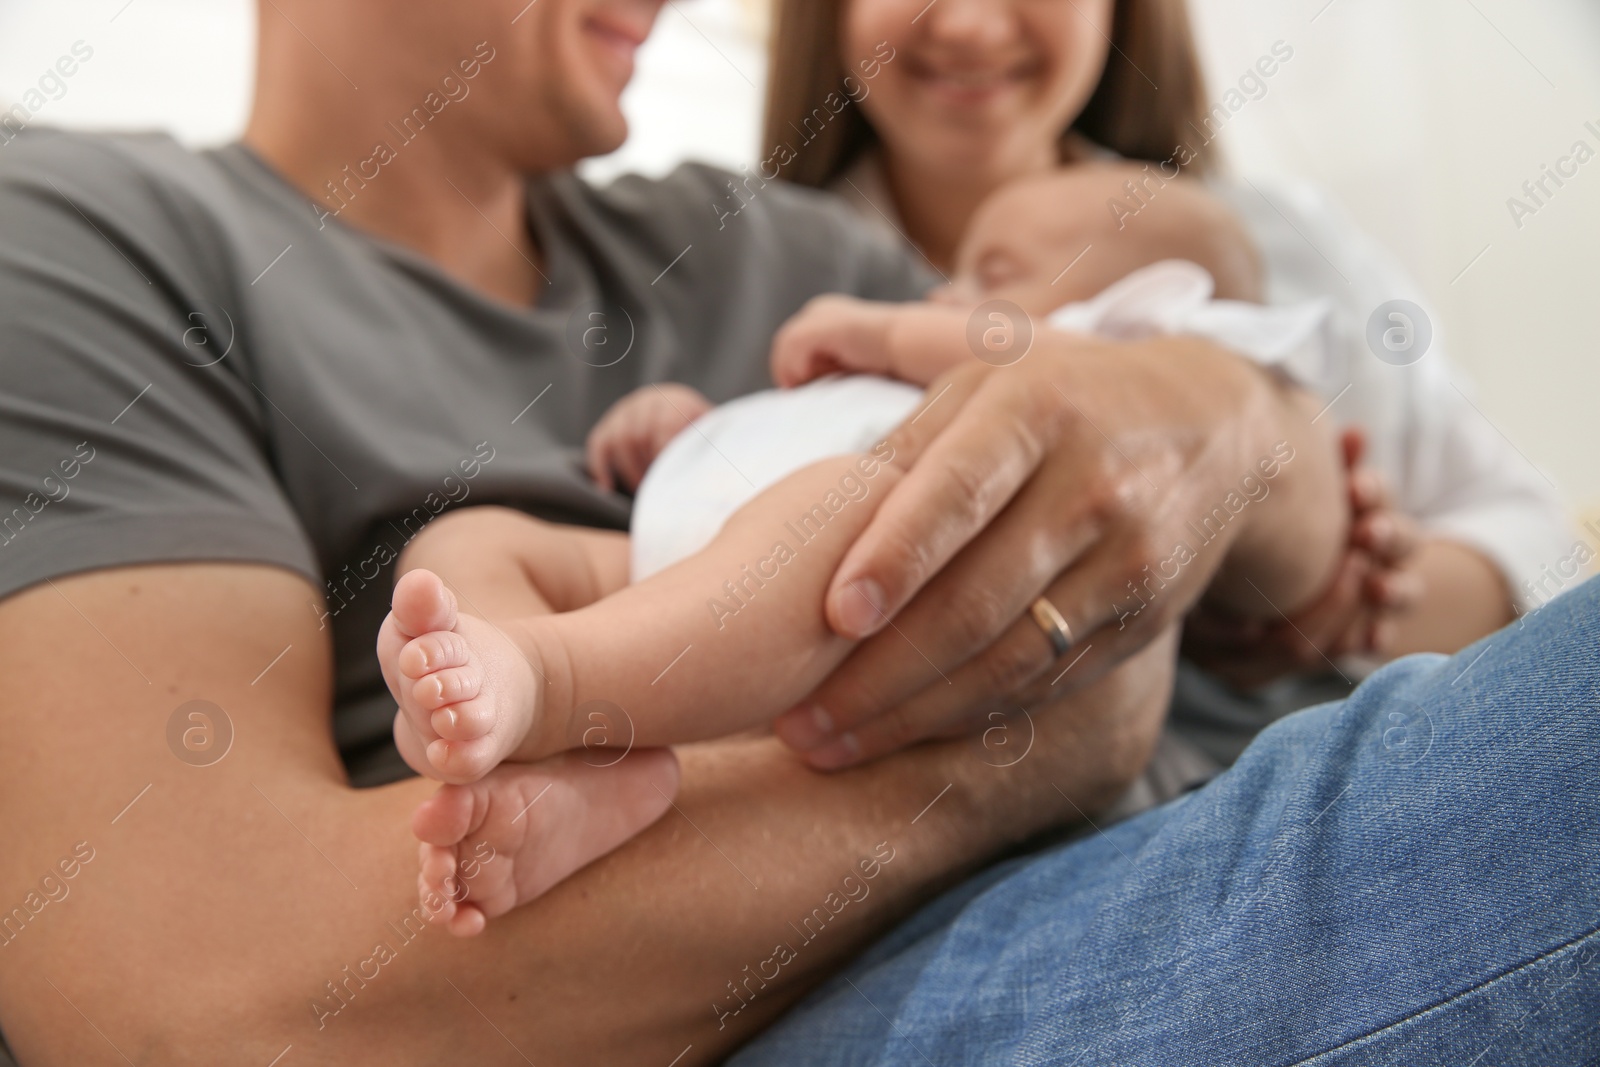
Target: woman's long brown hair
{"x": 1150, "y": 99}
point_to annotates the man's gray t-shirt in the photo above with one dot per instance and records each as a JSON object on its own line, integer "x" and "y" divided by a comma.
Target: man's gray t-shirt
{"x": 194, "y": 367}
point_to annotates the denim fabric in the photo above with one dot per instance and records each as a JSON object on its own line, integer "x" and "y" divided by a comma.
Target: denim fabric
{"x": 1410, "y": 876}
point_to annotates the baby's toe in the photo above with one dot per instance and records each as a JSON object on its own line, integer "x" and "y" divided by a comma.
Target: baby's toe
{"x": 412, "y": 745}
{"x": 438, "y": 865}
{"x": 443, "y": 819}
{"x": 451, "y": 685}
{"x": 463, "y": 761}
{"x": 431, "y": 652}
{"x": 465, "y": 721}
{"x": 421, "y": 604}
{"x": 437, "y": 904}
{"x": 468, "y": 921}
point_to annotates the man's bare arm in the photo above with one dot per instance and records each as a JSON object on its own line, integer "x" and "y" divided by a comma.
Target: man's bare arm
{"x": 231, "y": 911}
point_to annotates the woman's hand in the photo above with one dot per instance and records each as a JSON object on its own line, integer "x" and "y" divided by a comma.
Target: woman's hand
{"x": 1356, "y": 615}
{"x": 1085, "y": 472}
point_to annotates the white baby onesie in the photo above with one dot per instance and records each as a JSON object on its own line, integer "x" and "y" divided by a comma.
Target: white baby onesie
{"x": 736, "y": 450}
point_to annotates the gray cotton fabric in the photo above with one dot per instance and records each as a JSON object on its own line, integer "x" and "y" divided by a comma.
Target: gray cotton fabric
{"x": 195, "y": 366}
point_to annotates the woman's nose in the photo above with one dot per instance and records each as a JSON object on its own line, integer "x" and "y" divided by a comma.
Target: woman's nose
{"x": 971, "y": 23}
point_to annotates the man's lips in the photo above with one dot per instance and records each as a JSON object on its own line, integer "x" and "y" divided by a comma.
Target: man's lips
{"x": 620, "y": 37}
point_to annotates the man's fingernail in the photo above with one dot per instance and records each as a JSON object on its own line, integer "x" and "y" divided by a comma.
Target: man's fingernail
{"x": 858, "y": 607}
{"x": 840, "y": 753}
{"x": 822, "y": 720}
{"x": 805, "y": 727}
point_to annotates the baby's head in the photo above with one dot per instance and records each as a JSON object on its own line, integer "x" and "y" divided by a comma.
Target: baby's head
{"x": 1027, "y": 242}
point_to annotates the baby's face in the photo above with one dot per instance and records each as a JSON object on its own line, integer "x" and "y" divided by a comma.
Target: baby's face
{"x": 1026, "y": 246}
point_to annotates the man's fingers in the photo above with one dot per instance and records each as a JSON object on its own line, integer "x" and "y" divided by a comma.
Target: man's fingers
{"x": 1016, "y": 660}
{"x": 955, "y": 487}
{"x": 974, "y": 600}
{"x": 846, "y": 721}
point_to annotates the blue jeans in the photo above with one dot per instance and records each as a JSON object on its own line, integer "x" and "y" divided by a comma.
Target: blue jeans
{"x": 1410, "y": 876}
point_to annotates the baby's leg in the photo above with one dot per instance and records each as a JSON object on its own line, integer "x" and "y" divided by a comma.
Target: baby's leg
{"x": 732, "y": 636}
{"x": 725, "y": 639}
{"x": 512, "y": 833}
{"x": 468, "y": 693}
{"x": 721, "y": 641}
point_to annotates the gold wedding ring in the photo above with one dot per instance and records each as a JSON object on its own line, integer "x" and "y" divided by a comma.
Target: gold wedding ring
{"x": 1053, "y": 624}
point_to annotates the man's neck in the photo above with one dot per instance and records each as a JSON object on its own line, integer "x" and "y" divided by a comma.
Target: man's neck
{"x": 449, "y": 199}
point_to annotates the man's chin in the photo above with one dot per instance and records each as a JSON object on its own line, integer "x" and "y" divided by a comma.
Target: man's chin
{"x": 571, "y": 143}
{"x": 594, "y": 131}
{"x": 610, "y": 140}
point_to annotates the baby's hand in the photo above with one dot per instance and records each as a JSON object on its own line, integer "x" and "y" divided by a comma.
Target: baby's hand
{"x": 842, "y": 333}
{"x": 629, "y": 436}
{"x": 831, "y": 334}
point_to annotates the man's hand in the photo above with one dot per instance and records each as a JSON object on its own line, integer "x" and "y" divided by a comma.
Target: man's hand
{"x": 1086, "y": 472}
{"x": 629, "y": 436}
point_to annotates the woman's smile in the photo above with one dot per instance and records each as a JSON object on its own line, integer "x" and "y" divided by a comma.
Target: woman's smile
{"x": 969, "y": 87}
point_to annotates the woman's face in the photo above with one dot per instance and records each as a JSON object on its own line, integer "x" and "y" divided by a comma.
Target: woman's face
{"x": 979, "y": 88}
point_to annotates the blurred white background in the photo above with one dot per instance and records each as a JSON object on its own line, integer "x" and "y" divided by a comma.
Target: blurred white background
{"x": 1421, "y": 117}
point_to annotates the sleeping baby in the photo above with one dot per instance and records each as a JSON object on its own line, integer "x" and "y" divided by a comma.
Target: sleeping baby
{"x": 708, "y": 618}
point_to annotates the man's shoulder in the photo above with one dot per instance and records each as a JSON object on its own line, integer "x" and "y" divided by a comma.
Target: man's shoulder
{"x": 130, "y": 163}
{"x": 150, "y": 187}
{"x": 701, "y": 199}
{"x": 716, "y": 189}
{"x": 742, "y": 224}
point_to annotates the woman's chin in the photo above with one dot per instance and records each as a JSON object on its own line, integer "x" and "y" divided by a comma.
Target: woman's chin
{"x": 979, "y": 155}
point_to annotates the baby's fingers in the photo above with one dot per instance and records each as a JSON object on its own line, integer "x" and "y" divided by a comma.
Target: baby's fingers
{"x": 597, "y": 455}
{"x": 829, "y": 334}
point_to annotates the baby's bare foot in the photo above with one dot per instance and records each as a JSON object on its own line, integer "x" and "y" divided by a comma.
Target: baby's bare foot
{"x": 468, "y": 696}
{"x": 492, "y": 845}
